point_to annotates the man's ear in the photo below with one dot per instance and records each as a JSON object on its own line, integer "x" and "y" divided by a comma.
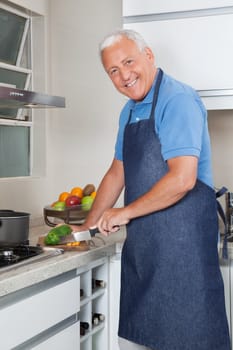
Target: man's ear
{"x": 149, "y": 54}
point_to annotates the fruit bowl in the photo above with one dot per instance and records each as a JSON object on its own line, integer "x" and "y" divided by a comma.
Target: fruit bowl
{"x": 70, "y": 215}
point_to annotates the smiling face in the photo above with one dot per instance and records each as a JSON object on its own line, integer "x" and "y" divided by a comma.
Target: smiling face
{"x": 132, "y": 71}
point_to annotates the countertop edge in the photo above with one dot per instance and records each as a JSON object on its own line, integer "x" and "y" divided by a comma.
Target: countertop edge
{"x": 36, "y": 272}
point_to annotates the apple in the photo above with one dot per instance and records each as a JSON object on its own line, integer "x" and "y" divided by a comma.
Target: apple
{"x": 72, "y": 200}
{"x": 59, "y": 205}
{"x": 87, "y": 202}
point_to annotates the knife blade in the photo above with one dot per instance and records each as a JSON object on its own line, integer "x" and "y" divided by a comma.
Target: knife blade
{"x": 79, "y": 236}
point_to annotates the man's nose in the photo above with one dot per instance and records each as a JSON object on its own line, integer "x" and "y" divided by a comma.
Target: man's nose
{"x": 125, "y": 73}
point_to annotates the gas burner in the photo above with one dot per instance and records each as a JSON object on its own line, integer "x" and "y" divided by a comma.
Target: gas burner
{"x": 8, "y": 257}
{"x": 16, "y": 253}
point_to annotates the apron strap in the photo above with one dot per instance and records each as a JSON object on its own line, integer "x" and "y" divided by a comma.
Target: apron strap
{"x": 156, "y": 93}
{"x": 155, "y": 96}
{"x": 223, "y": 217}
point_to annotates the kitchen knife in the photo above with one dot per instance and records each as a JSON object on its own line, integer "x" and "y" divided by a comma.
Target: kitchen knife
{"x": 79, "y": 236}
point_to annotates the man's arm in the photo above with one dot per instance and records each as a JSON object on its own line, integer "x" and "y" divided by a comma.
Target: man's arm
{"x": 180, "y": 178}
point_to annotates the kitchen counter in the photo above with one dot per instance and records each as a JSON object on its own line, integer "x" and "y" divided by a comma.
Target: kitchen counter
{"x": 28, "y": 275}
{"x": 38, "y": 288}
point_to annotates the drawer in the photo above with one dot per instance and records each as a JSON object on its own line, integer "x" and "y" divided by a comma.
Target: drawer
{"x": 66, "y": 339}
{"x": 23, "y": 320}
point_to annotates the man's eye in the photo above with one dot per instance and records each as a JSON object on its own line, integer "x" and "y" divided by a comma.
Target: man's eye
{"x": 113, "y": 71}
{"x": 128, "y": 62}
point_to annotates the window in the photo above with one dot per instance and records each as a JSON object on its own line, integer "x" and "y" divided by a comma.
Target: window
{"x": 14, "y": 150}
{"x": 12, "y": 28}
{"x": 16, "y": 71}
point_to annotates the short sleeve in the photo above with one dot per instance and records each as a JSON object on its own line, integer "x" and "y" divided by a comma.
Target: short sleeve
{"x": 181, "y": 127}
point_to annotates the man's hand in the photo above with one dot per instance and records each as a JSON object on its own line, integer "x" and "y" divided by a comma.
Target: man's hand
{"x": 112, "y": 219}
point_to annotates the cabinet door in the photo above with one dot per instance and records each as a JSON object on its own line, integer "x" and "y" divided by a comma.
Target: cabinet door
{"x": 231, "y": 295}
{"x": 114, "y": 300}
{"x": 225, "y": 266}
{"x": 142, "y": 7}
{"x": 66, "y": 339}
{"x": 197, "y": 51}
{"x": 24, "y": 319}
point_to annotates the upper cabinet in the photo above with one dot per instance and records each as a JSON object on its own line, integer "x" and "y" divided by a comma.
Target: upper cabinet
{"x": 197, "y": 50}
{"x": 139, "y": 7}
{"x": 194, "y": 44}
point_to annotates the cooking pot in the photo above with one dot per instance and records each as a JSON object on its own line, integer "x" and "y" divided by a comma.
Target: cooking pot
{"x": 14, "y": 226}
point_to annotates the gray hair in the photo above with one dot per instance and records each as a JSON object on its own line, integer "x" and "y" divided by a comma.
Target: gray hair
{"x": 117, "y": 35}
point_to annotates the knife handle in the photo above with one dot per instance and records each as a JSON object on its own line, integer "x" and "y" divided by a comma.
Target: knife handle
{"x": 93, "y": 231}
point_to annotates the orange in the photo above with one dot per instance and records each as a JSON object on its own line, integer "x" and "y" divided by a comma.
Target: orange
{"x": 93, "y": 194}
{"x": 63, "y": 196}
{"x": 77, "y": 191}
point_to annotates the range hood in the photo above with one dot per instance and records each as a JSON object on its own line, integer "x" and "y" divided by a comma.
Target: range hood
{"x": 16, "y": 98}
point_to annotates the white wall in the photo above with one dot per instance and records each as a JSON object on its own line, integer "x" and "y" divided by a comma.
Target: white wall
{"x": 80, "y": 138}
{"x": 221, "y": 131}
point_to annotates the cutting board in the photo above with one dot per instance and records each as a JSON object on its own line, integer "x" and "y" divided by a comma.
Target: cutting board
{"x": 80, "y": 248}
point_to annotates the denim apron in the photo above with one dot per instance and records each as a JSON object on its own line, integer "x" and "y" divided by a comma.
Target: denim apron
{"x": 172, "y": 294}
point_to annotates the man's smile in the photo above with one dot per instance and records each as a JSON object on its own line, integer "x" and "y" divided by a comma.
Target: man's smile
{"x": 132, "y": 83}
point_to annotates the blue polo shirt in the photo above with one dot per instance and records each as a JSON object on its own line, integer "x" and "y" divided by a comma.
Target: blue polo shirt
{"x": 180, "y": 123}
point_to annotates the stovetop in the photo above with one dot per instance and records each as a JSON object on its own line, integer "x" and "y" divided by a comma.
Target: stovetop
{"x": 17, "y": 255}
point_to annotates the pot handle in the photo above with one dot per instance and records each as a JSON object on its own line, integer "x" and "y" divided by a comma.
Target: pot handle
{"x": 6, "y": 211}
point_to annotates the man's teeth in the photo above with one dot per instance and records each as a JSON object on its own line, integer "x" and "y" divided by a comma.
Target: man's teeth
{"x": 131, "y": 84}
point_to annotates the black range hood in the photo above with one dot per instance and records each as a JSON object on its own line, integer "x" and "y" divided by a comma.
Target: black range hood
{"x": 16, "y": 98}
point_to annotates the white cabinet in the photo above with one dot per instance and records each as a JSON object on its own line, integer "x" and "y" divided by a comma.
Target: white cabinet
{"x": 142, "y": 7}
{"x": 227, "y": 274}
{"x": 225, "y": 266}
{"x": 38, "y": 314}
{"x": 94, "y": 285}
{"x": 65, "y": 339}
{"x": 114, "y": 299}
{"x": 196, "y": 50}
{"x": 192, "y": 41}
{"x": 51, "y": 314}
{"x": 231, "y": 298}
